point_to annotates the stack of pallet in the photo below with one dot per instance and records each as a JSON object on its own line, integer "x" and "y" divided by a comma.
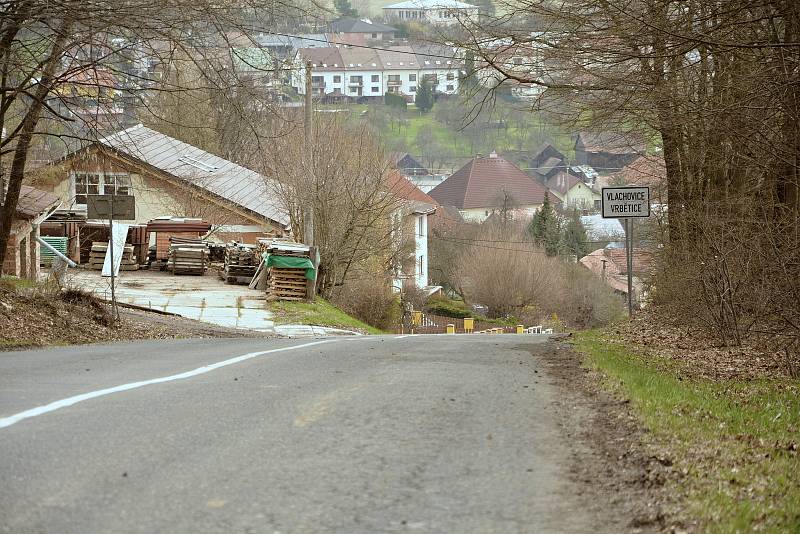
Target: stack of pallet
{"x": 187, "y": 256}
{"x": 286, "y": 267}
{"x": 241, "y": 262}
{"x": 97, "y": 257}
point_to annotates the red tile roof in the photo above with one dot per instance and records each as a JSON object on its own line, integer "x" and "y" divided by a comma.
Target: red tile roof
{"x": 481, "y": 183}
{"x": 562, "y": 182}
{"x": 404, "y": 189}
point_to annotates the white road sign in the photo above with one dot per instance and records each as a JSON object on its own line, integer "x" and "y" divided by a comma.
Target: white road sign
{"x": 622, "y": 202}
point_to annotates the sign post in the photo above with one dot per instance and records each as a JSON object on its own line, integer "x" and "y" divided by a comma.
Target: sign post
{"x": 113, "y": 207}
{"x": 626, "y": 203}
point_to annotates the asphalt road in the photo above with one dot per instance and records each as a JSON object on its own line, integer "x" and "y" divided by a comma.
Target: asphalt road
{"x": 451, "y": 434}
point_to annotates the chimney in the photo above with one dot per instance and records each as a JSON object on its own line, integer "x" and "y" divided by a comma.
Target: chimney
{"x": 493, "y": 154}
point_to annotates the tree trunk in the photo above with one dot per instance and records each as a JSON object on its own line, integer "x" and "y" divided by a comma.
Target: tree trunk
{"x": 25, "y": 136}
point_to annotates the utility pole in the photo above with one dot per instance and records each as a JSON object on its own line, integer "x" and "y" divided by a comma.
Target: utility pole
{"x": 308, "y": 124}
{"x": 308, "y": 209}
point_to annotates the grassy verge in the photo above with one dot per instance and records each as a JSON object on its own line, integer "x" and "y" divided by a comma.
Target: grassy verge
{"x": 319, "y": 313}
{"x": 733, "y": 444}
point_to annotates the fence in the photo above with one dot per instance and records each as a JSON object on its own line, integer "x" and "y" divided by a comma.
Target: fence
{"x": 426, "y": 323}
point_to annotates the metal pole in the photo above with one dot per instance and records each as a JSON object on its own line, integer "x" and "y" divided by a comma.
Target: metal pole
{"x": 629, "y": 255}
{"x": 308, "y": 209}
{"x": 114, "y": 310}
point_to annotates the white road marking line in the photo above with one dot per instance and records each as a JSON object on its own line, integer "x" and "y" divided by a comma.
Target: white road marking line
{"x": 405, "y": 335}
{"x": 69, "y": 401}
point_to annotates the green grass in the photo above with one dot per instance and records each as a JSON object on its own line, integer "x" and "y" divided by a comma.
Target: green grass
{"x": 319, "y": 313}
{"x": 13, "y": 283}
{"x": 731, "y": 440}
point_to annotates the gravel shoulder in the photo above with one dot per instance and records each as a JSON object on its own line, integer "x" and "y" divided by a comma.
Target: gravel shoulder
{"x": 610, "y": 458}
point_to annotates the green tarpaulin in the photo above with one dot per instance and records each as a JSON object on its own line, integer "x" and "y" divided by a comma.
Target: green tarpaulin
{"x": 291, "y": 262}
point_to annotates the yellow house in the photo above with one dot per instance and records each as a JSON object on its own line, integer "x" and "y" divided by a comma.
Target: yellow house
{"x": 572, "y": 191}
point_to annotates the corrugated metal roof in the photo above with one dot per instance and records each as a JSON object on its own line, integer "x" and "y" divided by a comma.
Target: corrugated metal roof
{"x": 219, "y": 176}
{"x": 34, "y": 202}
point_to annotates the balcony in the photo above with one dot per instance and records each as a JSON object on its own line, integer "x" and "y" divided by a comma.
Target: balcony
{"x": 394, "y": 83}
{"x": 356, "y": 83}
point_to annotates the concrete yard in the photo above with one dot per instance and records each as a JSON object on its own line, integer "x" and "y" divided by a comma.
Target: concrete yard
{"x": 204, "y": 298}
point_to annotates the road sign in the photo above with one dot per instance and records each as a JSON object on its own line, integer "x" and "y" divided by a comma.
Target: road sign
{"x": 623, "y": 202}
{"x": 99, "y": 207}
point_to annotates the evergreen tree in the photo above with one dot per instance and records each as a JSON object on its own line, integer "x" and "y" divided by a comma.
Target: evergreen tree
{"x": 345, "y": 9}
{"x": 425, "y": 98}
{"x": 574, "y": 239}
{"x": 544, "y": 228}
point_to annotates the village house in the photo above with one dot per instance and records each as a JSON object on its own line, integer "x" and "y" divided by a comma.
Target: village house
{"x": 166, "y": 177}
{"x": 434, "y": 12}
{"x": 611, "y": 266}
{"x": 607, "y": 151}
{"x": 22, "y": 253}
{"x": 411, "y": 222}
{"x": 572, "y": 191}
{"x": 490, "y": 184}
{"x": 352, "y": 31}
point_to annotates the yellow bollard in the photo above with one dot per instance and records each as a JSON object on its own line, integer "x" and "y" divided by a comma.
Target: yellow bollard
{"x": 451, "y": 329}
{"x": 416, "y": 318}
{"x": 469, "y": 325}
{"x": 520, "y": 329}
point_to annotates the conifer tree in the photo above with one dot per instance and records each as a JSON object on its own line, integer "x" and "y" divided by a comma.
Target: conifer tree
{"x": 544, "y": 228}
{"x": 573, "y": 240}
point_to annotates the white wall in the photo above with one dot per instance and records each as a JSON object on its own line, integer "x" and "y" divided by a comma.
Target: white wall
{"x": 421, "y": 249}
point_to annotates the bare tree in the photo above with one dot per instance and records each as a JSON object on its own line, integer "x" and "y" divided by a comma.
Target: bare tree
{"x": 344, "y": 183}
{"x": 63, "y": 63}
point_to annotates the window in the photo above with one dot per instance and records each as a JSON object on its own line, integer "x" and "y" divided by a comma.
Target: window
{"x": 337, "y": 79}
{"x": 413, "y": 88}
{"x": 517, "y": 61}
{"x": 421, "y": 226}
{"x": 99, "y": 183}
{"x": 374, "y": 35}
{"x": 376, "y": 77}
{"x": 450, "y": 88}
{"x": 421, "y": 266}
{"x": 356, "y": 80}
{"x": 376, "y": 89}
{"x": 318, "y": 80}
{"x": 450, "y": 76}
{"x": 412, "y": 77}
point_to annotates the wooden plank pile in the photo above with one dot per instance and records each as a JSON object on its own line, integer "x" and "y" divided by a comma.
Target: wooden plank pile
{"x": 241, "y": 262}
{"x": 187, "y": 256}
{"x": 97, "y": 256}
{"x": 283, "y": 283}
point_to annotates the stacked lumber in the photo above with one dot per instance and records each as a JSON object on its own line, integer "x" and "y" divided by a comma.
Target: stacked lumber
{"x": 286, "y": 284}
{"x": 283, "y": 283}
{"x": 97, "y": 257}
{"x": 241, "y": 262}
{"x": 187, "y": 256}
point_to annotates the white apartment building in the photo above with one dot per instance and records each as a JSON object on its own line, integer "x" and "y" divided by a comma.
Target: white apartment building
{"x": 364, "y": 73}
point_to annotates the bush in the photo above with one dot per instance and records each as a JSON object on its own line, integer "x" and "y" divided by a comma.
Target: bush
{"x": 369, "y": 299}
{"x": 448, "y": 308}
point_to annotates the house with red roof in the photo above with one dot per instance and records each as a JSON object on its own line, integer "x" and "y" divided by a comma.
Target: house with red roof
{"x": 572, "y": 191}
{"x": 611, "y": 266}
{"x": 410, "y": 223}
{"x": 489, "y": 184}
